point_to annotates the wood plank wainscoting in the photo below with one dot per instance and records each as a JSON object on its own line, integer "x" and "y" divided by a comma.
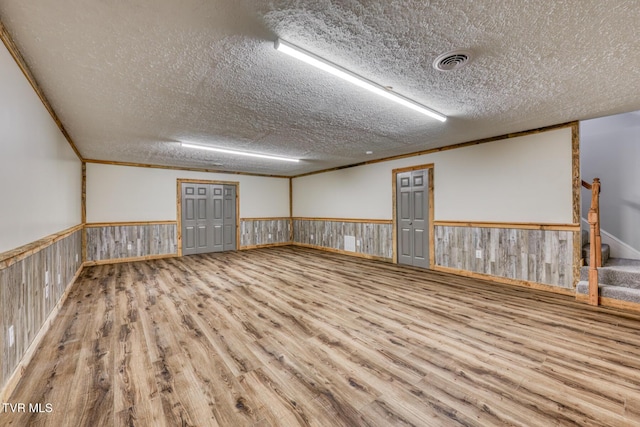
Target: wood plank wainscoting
{"x": 264, "y": 232}
{"x": 34, "y": 282}
{"x": 373, "y": 237}
{"x": 525, "y": 254}
{"x": 130, "y": 241}
{"x": 541, "y": 256}
{"x": 109, "y": 242}
{"x": 295, "y": 336}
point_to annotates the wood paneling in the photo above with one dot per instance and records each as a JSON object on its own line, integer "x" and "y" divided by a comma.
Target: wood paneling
{"x": 577, "y": 191}
{"x": 261, "y": 232}
{"x": 506, "y": 280}
{"x": 30, "y": 289}
{"x": 291, "y": 336}
{"x": 129, "y": 259}
{"x": 374, "y": 237}
{"x": 342, "y": 252}
{"x": 266, "y": 245}
{"x": 112, "y": 242}
{"x": 576, "y": 181}
{"x": 541, "y": 256}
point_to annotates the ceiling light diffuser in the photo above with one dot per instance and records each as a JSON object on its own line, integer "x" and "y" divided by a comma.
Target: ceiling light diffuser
{"x": 347, "y": 75}
{"x": 238, "y": 153}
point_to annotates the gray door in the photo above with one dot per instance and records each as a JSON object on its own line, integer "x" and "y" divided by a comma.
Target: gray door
{"x": 196, "y": 211}
{"x": 217, "y": 220}
{"x": 412, "y": 190}
{"x": 206, "y": 219}
{"x": 229, "y": 211}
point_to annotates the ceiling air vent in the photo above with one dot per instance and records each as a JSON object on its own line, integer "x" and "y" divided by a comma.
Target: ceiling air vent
{"x": 453, "y": 60}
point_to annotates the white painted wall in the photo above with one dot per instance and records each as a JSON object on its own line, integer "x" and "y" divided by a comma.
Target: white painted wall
{"x": 40, "y": 174}
{"x": 524, "y": 179}
{"x": 610, "y": 150}
{"x": 124, "y": 193}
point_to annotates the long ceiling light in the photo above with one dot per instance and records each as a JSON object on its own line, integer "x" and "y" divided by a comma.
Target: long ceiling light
{"x": 238, "y": 153}
{"x": 347, "y": 75}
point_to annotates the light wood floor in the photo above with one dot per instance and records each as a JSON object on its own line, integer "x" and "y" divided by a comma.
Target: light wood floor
{"x": 291, "y": 336}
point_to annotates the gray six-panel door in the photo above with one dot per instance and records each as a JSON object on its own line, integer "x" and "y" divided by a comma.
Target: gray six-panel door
{"x": 229, "y": 212}
{"x": 217, "y": 220}
{"x": 196, "y": 228}
{"x": 412, "y": 190}
{"x": 206, "y": 219}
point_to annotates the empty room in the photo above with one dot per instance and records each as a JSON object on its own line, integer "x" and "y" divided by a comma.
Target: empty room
{"x": 319, "y": 213}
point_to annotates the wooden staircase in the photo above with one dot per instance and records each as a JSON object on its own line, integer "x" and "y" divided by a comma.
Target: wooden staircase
{"x": 618, "y": 279}
{"x": 604, "y": 277}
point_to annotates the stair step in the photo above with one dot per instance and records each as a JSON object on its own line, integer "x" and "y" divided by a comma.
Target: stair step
{"x": 621, "y": 293}
{"x": 586, "y": 251}
{"x": 617, "y": 272}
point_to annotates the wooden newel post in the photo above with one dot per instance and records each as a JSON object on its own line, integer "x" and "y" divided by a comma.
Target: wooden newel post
{"x": 595, "y": 205}
{"x": 595, "y": 252}
{"x": 593, "y": 269}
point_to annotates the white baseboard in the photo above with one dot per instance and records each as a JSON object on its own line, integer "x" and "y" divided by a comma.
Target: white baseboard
{"x": 619, "y": 249}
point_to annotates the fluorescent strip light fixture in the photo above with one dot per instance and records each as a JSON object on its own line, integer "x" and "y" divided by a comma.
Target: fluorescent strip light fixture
{"x": 347, "y": 75}
{"x": 238, "y": 153}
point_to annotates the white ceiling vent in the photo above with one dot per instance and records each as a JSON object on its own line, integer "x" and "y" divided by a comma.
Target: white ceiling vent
{"x": 453, "y": 60}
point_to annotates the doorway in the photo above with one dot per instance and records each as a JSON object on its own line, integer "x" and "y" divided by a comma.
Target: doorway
{"x": 208, "y": 216}
{"x": 413, "y": 217}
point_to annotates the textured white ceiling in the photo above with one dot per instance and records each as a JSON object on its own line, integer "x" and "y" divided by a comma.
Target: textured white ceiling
{"x": 129, "y": 79}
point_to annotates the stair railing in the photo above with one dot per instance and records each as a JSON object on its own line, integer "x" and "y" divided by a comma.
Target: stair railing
{"x": 595, "y": 240}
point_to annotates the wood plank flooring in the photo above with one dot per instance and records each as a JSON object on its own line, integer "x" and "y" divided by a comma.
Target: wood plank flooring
{"x": 291, "y": 336}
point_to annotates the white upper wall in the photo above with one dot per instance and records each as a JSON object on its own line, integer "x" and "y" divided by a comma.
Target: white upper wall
{"x": 41, "y": 175}
{"x": 523, "y": 179}
{"x": 125, "y": 193}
